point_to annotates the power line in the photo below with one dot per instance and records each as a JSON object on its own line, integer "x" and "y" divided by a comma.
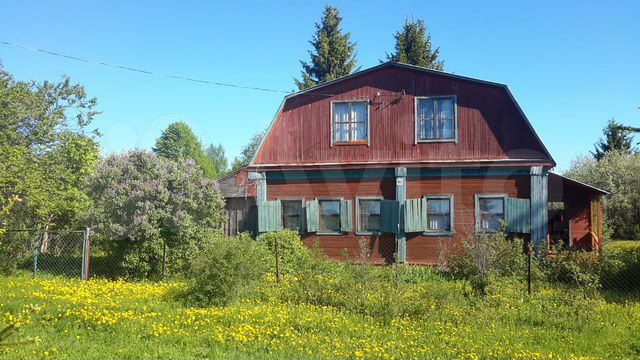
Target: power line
{"x": 128, "y": 68}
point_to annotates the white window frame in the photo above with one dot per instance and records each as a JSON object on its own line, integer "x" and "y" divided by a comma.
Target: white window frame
{"x": 477, "y": 210}
{"x": 416, "y": 101}
{"x": 449, "y": 232}
{"x": 332, "y": 125}
{"x": 359, "y": 230}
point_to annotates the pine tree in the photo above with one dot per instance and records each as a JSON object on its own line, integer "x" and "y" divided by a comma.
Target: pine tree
{"x": 413, "y": 46}
{"x": 615, "y": 138}
{"x": 333, "y": 55}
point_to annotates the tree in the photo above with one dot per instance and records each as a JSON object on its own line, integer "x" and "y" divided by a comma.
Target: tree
{"x": 248, "y": 151}
{"x": 413, "y": 46}
{"x": 616, "y": 137}
{"x": 216, "y": 155}
{"x": 178, "y": 142}
{"x": 46, "y": 150}
{"x": 144, "y": 203}
{"x": 333, "y": 55}
{"x": 617, "y": 172}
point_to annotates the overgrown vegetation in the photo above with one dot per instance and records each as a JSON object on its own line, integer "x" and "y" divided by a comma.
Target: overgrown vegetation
{"x": 326, "y": 309}
{"x": 149, "y": 210}
{"x": 616, "y": 172}
{"x": 226, "y": 269}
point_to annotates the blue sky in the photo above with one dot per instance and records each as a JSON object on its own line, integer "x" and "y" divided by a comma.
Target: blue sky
{"x": 571, "y": 65}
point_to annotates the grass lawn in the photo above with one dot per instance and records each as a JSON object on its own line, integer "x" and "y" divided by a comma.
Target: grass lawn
{"x": 117, "y": 319}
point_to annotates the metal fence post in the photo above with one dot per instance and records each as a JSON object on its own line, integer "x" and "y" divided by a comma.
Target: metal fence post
{"x": 85, "y": 254}
{"x": 36, "y": 251}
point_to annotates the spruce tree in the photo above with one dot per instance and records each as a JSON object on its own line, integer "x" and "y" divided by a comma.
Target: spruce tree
{"x": 616, "y": 137}
{"x": 333, "y": 55}
{"x": 413, "y": 46}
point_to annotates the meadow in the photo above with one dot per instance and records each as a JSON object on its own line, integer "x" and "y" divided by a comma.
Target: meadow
{"x": 442, "y": 318}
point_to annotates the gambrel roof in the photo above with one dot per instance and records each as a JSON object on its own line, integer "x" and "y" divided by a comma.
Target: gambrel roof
{"x": 493, "y": 129}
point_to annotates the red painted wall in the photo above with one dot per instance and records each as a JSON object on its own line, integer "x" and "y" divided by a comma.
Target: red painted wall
{"x": 420, "y": 249}
{"x": 490, "y": 127}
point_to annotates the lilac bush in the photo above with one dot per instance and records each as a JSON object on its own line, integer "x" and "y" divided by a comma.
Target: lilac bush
{"x": 142, "y": 203}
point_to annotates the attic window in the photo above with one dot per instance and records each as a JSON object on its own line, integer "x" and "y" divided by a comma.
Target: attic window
{"x": 350, "y": 122}
{"x": 436, "y": 119}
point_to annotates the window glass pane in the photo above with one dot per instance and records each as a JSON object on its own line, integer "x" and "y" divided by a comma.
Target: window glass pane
{"x": 359, "y": 131}
{"x": 369, "y": 215}
{"x": 438, "y": 206}
{"x": 491, "y": 212}
{"x": 426, "y": 117}
{"x": 359, "y": 111}
{"x": 425, "y": 109}
{"x": 445, "y": 128}
{"x": 341, "y": 112}
{"x": 439, "y": 214}
{"x": 427, "y": 130}
{"x": 329, "y": 215}
{"x": 292, "y": 214}
{"x": 492, "y": 205}
{"x": 445, "y": 108}
{"x": 439, "y": 222}
{"x": 342, "y": 132}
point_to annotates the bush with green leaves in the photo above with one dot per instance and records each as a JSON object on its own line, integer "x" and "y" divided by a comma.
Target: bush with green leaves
{"x": 295, "y": 256}
{"x": 574, "y": 267}
{"x": 616, "y": 172}
{"x": 620, "y": 267}
{"x": 145, "y": 204}
{"x": 226, "y": 269}
{"x": 487, "y": 255}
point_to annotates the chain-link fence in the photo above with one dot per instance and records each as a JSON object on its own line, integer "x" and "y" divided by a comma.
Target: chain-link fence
{"x": 61, "y": 253}
{"x": 56, "y": 253}
{"x": 85, "y": 254}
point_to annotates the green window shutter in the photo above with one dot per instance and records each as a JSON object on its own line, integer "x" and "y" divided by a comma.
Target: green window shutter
{"x": 389, "y": 216}
{"x": 414, "y": 215}
{"x": 276, "y": 215}
{"x": 313, "y": 216}
{"x": 269, "y": 216}
{"x": 346, "y": 215}
{"x": 517, "y": 214}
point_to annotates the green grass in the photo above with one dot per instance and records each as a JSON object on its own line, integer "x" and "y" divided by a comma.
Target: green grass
{"x": 425, "y": 317}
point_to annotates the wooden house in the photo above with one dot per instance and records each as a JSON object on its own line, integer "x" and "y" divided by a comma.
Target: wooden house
{"x": 413, "y": 161}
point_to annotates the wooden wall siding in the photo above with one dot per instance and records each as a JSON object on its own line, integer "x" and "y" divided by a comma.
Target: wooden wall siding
{"x": 241, "y": 216}
{"x": 237, "y": 185}
{"x": 424, "y": 249}
{"x": 420, "y": 249}
{"x": 490, "y": 126}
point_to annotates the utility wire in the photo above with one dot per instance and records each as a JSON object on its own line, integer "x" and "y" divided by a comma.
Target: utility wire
{"x": 127, "y": 68}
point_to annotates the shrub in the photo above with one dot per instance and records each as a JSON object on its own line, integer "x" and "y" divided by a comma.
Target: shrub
{"x": 574, "y": 267}
{"x": 621, "y": 265}
{"x": 226, "y": 269}
{"x": 144, "y": 204}
{"x": 486, "y": 255}
{"x": 294, "y": 256}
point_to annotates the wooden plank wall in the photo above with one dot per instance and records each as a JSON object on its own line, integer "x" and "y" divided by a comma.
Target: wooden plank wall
{"x": 420, "y": 249}
{"x": 241, "y": 216}
{"x": 490, "y": 125}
